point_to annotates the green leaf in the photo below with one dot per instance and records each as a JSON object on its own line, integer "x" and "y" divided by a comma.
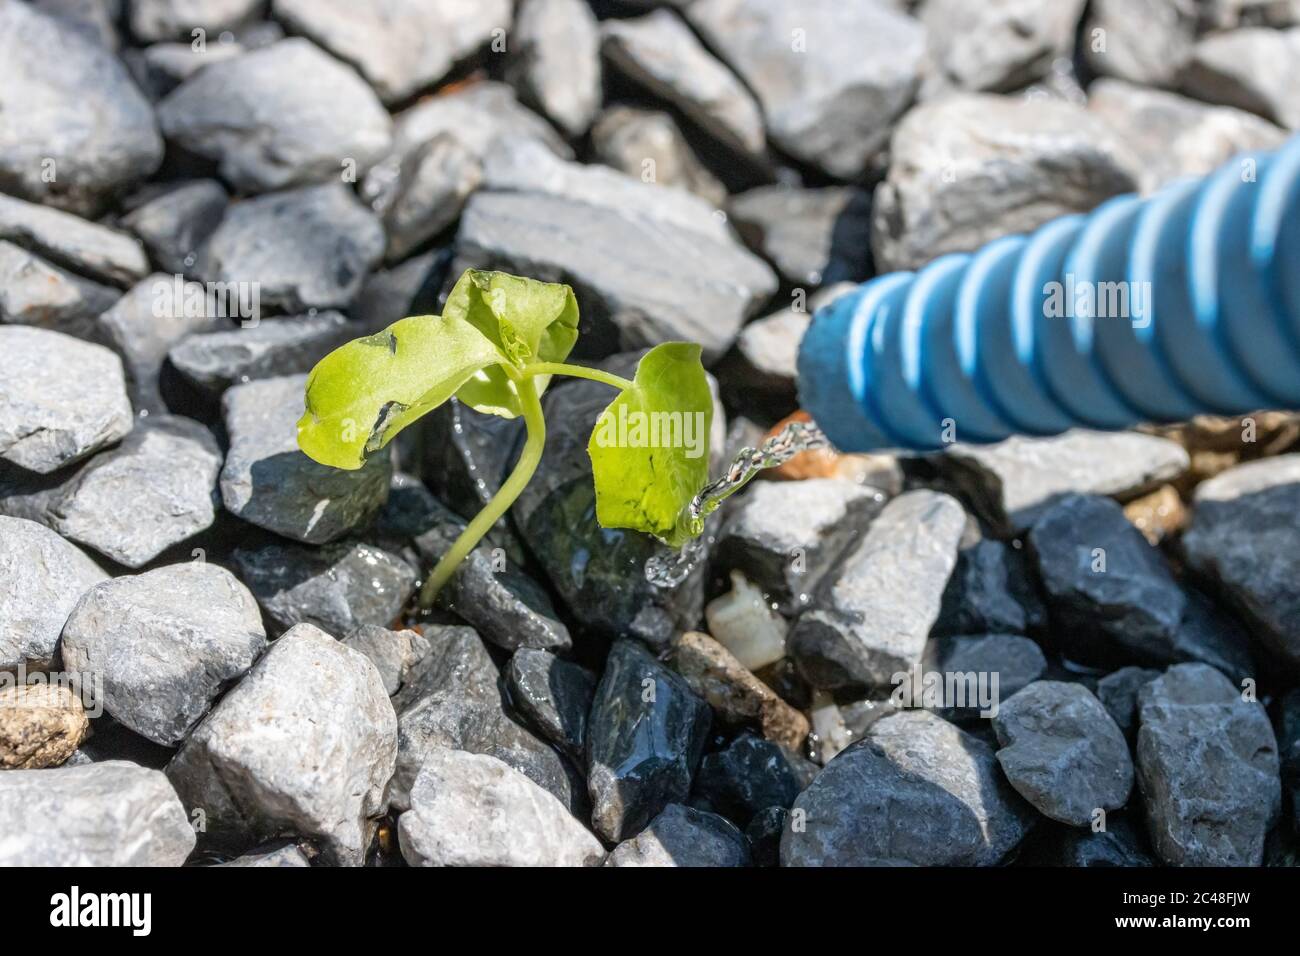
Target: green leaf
{"x": 365, "y": 392}
{"x": 650, "y": 448}
{"x": 528, "y": 321}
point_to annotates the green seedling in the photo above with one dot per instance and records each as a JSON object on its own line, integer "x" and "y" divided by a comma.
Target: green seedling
{"x": 495, "y": 347}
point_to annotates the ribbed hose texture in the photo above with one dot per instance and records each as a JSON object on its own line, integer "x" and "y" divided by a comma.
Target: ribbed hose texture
{"x": 1146, "y": 310}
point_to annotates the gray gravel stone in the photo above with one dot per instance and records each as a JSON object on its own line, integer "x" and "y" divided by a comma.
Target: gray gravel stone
{"x": 112, "y": 813}
{"x": 400, "y": 46}
{"x": 1288, "y": 741}
{"x": 279, "y": 116}
{"x": 1113, "y": 592}
{"x": 213, "y": 361}
{"x": 60, "y": 399}
{"x": 474, "y": 810}
{"x": 999, "y": 45}
{"x": 394, "y": 653}
{"x": 971, "y": 168}
{"x": 813, "y": 236}
{"x": 43, "y": 578}
{"x": 72, "y": 138}
{"x": 165, "y": 644}
{"x": 156, "y": 489}
{"x": 175, "y": 224}
{"x": 871, "y": 614}
{"x": 161, "y": 67}
{"x": 1016, "y": 661}
{"x": 992, "y": 590}
{"x": 454, "y": 699}
{"x": 641, "y": 281}
{"x": 1174, "y": 136}
{"x": 555, "y": 695}
{"x": 336, "y": 587}
{"x": 650, "y": 145}
{"x": 508, "y": 608}
{"x": 268, "y": 482}
{"x": 433, "y": 183}
{"x": 1244, "y": 540}
{"x": 645, "y": 736}
{"x": 660, "y": 54}
{"x": 284, "y": 856}
{"x": 97, "y": 19}
{"x": 1013, "y": 482}
{"x": 749, "y": 775}
{"x": 145, "y": 322}
{"x": 555, "y": 62}
{"x": 1143, "y": 41}
{"x": 304, "y": 744}
{"x": 831, "y": 78}
{"x": 1121, "y": 843}
{"x": 38, "y": 293}
{"x": 86, "y": 247}
{"x": 764, "y": 835}
{"x": 1207, "y": 764}
{"x": 1063, "y": 753}
{"x": 684, "y": 836}
{"x": 1252, "y": 69}
{"x": 154, "y": 20}
{"x": 1118, "y": 693}
{"x": 917, "y": 791}
{"x": 307, "y": 248}
{"x": 767, "y": 349}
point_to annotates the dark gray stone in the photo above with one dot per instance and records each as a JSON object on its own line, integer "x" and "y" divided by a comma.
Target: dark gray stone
{"x": 174, "y": 224}
{"x": 1016, "y": 661}
{"x": 73, "y": 138}
{"x": 268, "y": 482}
{"x": 814, "y": 237}
{"x": 455, "y": 699}
{"x": 61, "y": 399}
{"x": 399, "y": 46}
{"x": 165, "y": 645}
{"x": 1063, "y": 753}
{"x": 1117, "y": 598}
{"x": 156, "y": 489}
{"x": 85, "y": 247}
{"x": 750, "y": 775}
{"x": 1207, "y": 764}
{"x": 43, "y": 576}
{"x": 764, "y": 835}
{"x": 871, "y": 614}
{"x": 213, "y": 361}
{"x": 971, "y": 168}
{"x": 660, "y": 54}
{"x": 112, "y": 813}
{"x": 1288, "y": 743}
{"x": 1244, "y": 541}
{"x": 1118, "y": 693}
{"x": 144, "y": 323}
{"x": 337, "y": 587}
{"x": 831, "y": 78}
{"x": 1121, "y": 843}
{"x": 683, "y": 836}
{"x": 434, "y": 181}
{"x": 785, "y": 535}
{"x": 645, "y": 737}
{"x": 555, "y": 695}
{"x": 1011, "y": 483}
{"x": 555, "y": 61}
{"x": 917, "y": 791}
{"x": 279, "y": 116}
{"x": 992, "y": 590}
{"x": 304, "y": 744}
{"x": 38, "y": 293}
{"x": 307, "y": 248}
{"x": 395, "y": 654}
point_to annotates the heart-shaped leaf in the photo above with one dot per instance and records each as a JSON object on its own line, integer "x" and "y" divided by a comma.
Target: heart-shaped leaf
{"x": 650, "y": 447}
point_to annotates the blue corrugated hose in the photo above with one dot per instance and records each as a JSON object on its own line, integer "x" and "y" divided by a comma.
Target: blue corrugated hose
{"x": 1146, "y": 310}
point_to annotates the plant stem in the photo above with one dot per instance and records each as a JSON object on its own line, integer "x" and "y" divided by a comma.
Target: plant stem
{"x": 501, "y": 501}
{"x": 578, "y": 371}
